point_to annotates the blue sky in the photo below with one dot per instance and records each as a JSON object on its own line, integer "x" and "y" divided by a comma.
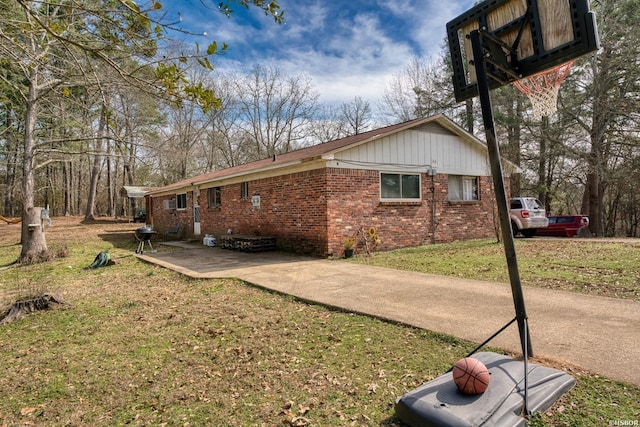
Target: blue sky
{"x": 347, "y": 47}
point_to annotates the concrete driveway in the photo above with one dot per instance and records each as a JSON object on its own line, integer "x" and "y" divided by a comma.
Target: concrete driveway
{"x": 598, "y": 334}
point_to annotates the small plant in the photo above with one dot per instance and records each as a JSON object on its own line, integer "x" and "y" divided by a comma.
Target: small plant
{"x": 349, "y": 242}
{"x": 370, "y": 238}
{"x": 367, "y": 238}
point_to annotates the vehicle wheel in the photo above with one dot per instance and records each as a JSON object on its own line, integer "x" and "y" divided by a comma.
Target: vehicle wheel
{"x": 514, "y": 229}
{"x": 529, "y": 232}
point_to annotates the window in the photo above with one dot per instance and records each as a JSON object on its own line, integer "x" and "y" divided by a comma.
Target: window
{"x": 244, "y": 190}
{"x": 181, "y": 201}
{"x": 463, "y": 188}
{"x": 516, "y": 204}
{"x": 169, "y": 204}
{"x": 213, "y": 197}
{"x": 395, "y": 186}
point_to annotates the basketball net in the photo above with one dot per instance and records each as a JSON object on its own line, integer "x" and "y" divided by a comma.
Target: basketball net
{"x": 542, "y": 89}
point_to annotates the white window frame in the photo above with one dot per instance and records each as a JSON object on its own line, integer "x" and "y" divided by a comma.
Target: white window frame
{"x": 214, "y": 201}
{"x": 244, "y": 190}
{"x": 467, "y": 188}
{"x": 179, "y": 198}
{"x": 402, "y": 199}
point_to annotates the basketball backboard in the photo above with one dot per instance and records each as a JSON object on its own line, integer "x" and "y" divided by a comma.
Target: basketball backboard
{"x": 520, "y": 38}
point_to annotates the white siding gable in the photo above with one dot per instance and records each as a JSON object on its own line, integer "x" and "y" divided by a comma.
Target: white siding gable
{"x": 429, "y": 145}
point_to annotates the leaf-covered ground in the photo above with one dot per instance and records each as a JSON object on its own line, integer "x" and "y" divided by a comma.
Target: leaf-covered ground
{"x": 142, "y": 345}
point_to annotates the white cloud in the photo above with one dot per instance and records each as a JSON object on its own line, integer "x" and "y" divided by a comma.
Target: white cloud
{"x": 348, "y": 49}
{"x": 306, "y": 20}
{"x": 354, "y": 58}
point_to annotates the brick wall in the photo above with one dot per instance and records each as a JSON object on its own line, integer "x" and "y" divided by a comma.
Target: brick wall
{"x": 312, "y": 212}
{"x": 354, "y": 203}
{"x": 292, "y": 209}
{"x": 465, "y": 220}
{"x": 164, "y": 219}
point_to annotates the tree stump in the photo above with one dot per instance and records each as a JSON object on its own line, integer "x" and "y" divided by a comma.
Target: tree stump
{"x": 21, "y": 308}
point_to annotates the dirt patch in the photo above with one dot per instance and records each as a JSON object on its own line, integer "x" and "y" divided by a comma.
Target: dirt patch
{"x": 71, "y": 228}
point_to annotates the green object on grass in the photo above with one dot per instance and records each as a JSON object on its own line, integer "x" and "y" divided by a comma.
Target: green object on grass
{"x": 101, "y": 260}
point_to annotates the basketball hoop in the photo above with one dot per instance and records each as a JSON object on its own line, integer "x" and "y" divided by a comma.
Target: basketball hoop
{"x": 542, "y": 89}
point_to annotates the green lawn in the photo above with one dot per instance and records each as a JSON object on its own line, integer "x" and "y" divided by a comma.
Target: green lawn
{"x": 142, "y": 345}
{"x": 609, "y": 268}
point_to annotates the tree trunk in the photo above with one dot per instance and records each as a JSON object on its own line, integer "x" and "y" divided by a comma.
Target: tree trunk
{"x": 78, "y": 183}
{"x": 513, "y": 152}
{"x": 597, "y": 163}
{"x": 12, "y": 161}
{"x": 468, "y": 107}
{"x": 34, "y": 243}
{"x": 111, "y": 208}
{"x": 48, "y": 186}
{"x": 66, "y": 178}
{"x": 584, "y": 207}
{"x": 95, "y": 171}
{"x": 592, "y": 203}
{"x": 542, "y": 162}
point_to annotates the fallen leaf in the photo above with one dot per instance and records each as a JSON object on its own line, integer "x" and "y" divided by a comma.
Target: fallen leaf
{"x": 27, "y": 411}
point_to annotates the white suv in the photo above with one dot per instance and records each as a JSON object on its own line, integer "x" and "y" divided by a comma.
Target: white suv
{"x": 527, "y": 215}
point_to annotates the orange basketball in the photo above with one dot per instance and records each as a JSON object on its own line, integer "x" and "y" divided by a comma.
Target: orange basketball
{"x": 471, "y": 376}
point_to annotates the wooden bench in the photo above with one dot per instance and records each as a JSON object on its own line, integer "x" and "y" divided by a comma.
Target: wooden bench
{"x": 248, "y": 243}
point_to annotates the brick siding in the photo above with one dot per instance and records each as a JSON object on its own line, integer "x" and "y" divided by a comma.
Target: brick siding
{"x": 164, "y": 219}
{"x": 355, "y": 203}
{"x": 312, "y": 212}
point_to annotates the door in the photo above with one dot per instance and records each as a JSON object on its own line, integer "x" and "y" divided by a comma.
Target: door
{"x": 196, "y": 213}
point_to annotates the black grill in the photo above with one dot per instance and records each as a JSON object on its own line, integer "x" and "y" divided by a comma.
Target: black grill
{"x": 144, "y": 235}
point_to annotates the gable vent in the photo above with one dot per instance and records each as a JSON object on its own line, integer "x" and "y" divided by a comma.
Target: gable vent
{"x": 433, "y": 127}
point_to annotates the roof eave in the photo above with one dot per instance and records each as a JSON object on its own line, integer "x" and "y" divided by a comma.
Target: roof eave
{"x": 260, "y": 170}
{"x": 195, "y": 183}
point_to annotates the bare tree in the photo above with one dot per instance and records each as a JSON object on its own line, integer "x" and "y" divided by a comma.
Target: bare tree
{"x": 607, "y": 102}
{"x": 422, "y": 89}
{"x": 187, "y": 128}
{"x": 11, "y": 112}
{"x": 225, "y": 145}
{"x": 329, "y": 125}
{"x": 357, "y": 115}
{"x": 58, "y": 46}
{"x": 276, "y": 110}
{"x": 332, "y": 122}
{"x": 97, "y": 162}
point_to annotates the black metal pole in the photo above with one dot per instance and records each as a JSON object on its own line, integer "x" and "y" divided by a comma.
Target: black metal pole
{"x": 500, "y": 192}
